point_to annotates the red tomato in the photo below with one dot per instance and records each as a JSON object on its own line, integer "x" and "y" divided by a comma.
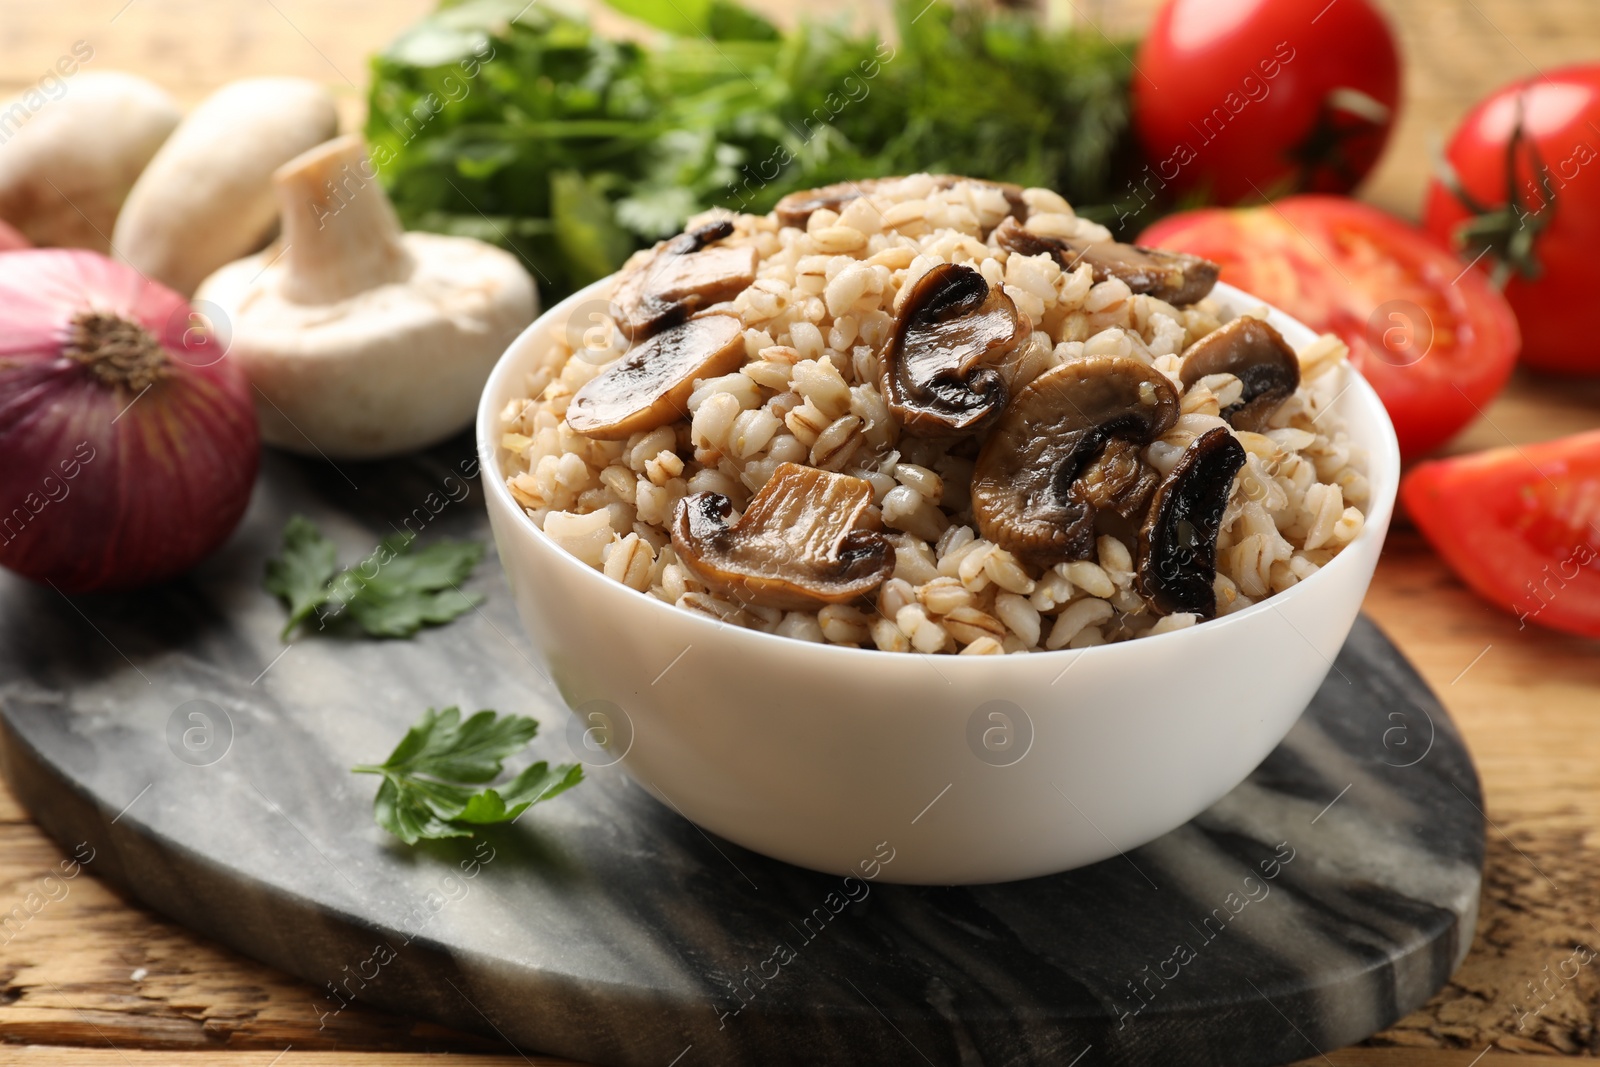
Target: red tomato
{"x": 1251, "y": 98}
{"x": 1552, "y": 212}
{"x": 1521, "y": 526}
{"x": 10, "y": 239}
{"x": 1435, "y": 338}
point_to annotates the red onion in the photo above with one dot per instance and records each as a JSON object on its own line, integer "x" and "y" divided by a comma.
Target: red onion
{"x": 128, "y": 443}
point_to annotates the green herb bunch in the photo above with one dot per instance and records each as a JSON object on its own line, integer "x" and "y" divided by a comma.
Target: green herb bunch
{"x": 526, "y": 127}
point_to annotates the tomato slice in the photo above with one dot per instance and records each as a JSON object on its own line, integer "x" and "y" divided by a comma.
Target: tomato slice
{"x": 1521, "y": 526}
{"x": 1435, "y": 339}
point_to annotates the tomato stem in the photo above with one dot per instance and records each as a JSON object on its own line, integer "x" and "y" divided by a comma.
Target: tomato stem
{"x": 1508, "y": 234}
{"x": 1323, "y": 147}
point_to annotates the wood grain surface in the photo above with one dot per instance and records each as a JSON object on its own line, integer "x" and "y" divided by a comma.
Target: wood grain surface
{"x": 92, "y": 979}
{"x": 58, "y": 1056}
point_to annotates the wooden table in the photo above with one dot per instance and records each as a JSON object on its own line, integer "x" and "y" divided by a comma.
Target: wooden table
{"x": 93, "y": 979}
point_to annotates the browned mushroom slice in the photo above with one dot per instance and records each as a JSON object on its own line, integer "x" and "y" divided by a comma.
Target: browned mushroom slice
{"x": 650, "y": 386}
{"x": 933, "y": 371}
{"x": 1178, "y": 543}
{"x": 686, "y": 274}
{"x": 1176, "y": 277}
{"x": 1119, "y": 480}
{"x": 1066, "y": 446}
{"x": 804, "y": 541}
{"x": 706, "y": 233}
{"x": 1256, "y": 354}
{"x": 796, "y": 208}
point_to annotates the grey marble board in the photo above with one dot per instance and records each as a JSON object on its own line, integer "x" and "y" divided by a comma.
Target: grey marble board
{"x": 1332, "y": 892}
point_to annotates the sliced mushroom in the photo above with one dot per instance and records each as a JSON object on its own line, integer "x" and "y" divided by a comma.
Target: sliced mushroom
{"x": 650, "y": 386}
{"x": 806, "y": 540}
{"x": 1176, "y": 277}
{"x": 707, "y": 233}
{"x": 1178, "y": 543}
{"x": 934, "y": 371}
{"x": 796, "y": 208}
{"x": 1119, "y": 480}
{"x": 1067, "y": 446}
{"x": 1255, "y": 353}
{"x": 686, "y": 274}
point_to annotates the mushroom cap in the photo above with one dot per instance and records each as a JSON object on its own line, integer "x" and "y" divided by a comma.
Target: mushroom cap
{"x": 796, "y": 208}
{"x": 1176, "y": 277}
{"x": 806, "y": 540}
{"x": 66, "y": 171}
{"x": 1253, "y": 351}
{"x": 650, "y": 385}
{"x": 206, "y": 197}
{"x": 1177, "y": 558}
{"x": 1046, "y": 467}
{"x": 934, "y": 373}
{"x": 388, "y": 370}
{"x": 686, "y": 274}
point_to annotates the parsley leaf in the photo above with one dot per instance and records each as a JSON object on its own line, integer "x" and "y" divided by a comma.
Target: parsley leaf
{"x": 427, "y": 779}
{"x": 538, "y": 781}
{"x": 394, "y": 592}
{"x": 301, "y": 575}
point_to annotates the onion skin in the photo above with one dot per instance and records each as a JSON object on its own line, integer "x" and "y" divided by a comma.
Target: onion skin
{"x": 103, "y": 488}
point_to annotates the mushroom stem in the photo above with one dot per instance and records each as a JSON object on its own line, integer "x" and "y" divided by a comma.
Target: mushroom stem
{"x": 340, "y": 233}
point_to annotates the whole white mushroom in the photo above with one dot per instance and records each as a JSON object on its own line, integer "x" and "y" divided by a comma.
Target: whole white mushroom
{"x": 363, "y": 341}
{"x": 68, "y": 161}
{"x": 206, "y": 198}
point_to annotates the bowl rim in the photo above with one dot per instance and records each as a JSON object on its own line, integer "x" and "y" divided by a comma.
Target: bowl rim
{"x": 1382, "y": 455}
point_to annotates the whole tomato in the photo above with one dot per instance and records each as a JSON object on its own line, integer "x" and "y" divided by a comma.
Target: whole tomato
{"x": 1541, "y": 227}
{"x": 1245, "y": 99}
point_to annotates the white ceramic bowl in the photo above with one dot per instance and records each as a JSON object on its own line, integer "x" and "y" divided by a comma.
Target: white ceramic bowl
{"x": 961, "y": 768}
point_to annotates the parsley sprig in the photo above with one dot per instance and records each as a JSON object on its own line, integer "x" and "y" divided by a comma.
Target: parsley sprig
{"x": 428, "y": 780}
{"x": 394, "y": 592}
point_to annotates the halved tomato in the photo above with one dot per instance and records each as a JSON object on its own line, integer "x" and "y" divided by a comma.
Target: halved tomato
{"x": 1435, "y": 338}
{"x": 1521, "y": 526}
